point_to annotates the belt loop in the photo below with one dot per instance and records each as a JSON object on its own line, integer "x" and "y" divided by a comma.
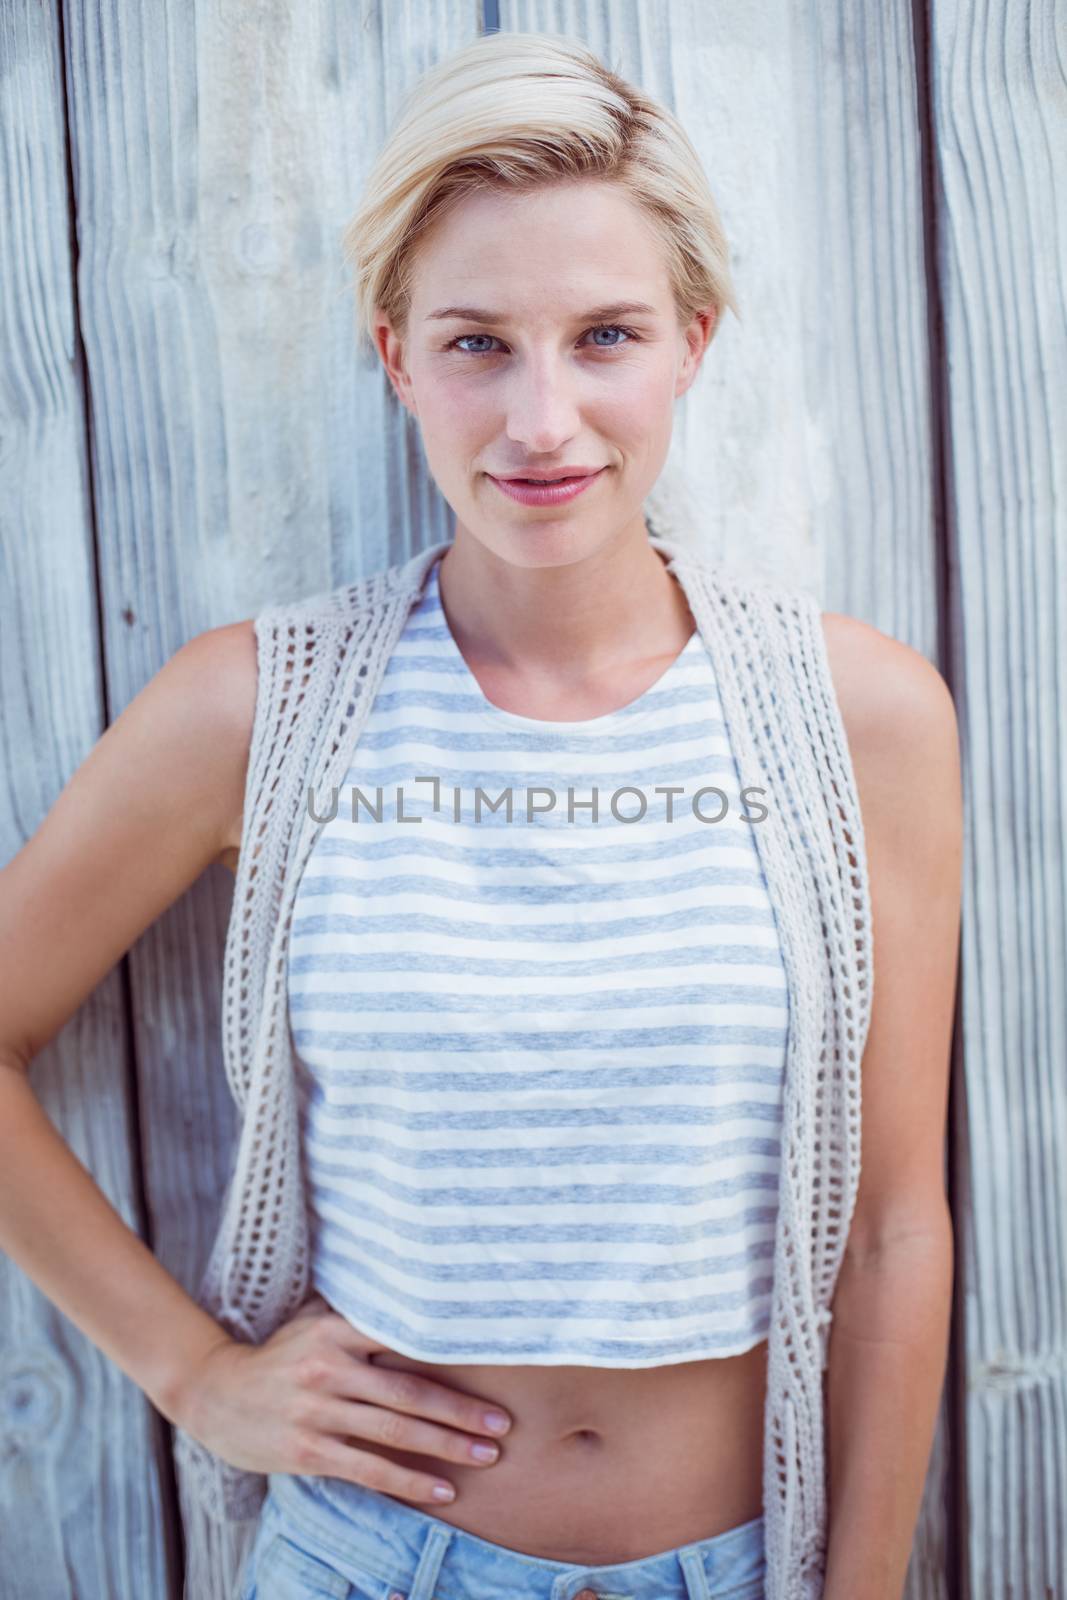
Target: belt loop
{"x": 438, "y": 1538}
{"x": 696, "y": 1579}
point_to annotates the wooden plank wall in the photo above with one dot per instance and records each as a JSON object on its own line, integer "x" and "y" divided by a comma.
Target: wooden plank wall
{"x": 999, "y": 119}
{"x": 84, "y": 1461}
{"x": 186, "y": 433}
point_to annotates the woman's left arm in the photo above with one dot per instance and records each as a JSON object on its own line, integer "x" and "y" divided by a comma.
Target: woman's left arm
{"x": 893, "y": 1298}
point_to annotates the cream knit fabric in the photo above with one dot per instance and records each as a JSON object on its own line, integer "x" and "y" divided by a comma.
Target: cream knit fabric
{"x": 321, "y": 660}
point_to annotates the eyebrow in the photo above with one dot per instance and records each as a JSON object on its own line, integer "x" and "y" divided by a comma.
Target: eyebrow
{"x": 630, "y": 308}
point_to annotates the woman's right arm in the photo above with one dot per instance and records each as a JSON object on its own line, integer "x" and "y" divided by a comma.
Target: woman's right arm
{"x": 157, "y": 799}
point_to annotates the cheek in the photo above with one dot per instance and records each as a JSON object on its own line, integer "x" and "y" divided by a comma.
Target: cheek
{"x": 454, "y": 401}
{"x": 641, "y": 411}
{"x": 640, "y": 393}
{"x": 454, "y": 424}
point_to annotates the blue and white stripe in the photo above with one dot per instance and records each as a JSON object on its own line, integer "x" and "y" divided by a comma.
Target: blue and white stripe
{"x": 541, "y": 1062}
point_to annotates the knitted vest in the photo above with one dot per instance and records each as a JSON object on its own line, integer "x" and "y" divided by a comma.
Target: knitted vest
{"x": 320, "y": 662}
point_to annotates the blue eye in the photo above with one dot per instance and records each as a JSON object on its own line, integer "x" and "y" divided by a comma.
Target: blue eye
{"x": 454, "y": 344}
{"x": 609, "y": 327}
{"x": 600, "y": 327}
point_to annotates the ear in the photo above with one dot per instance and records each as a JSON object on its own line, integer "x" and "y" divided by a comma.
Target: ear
{"x": 390, "y": 348}
{"x": 697, "y": 337}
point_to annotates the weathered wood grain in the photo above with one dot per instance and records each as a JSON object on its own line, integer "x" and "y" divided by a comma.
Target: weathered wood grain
{"x": 1000, "y": 120}
{"x": 82, "y": 1502}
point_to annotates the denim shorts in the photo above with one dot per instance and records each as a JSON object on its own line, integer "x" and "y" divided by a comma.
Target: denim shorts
{"x": 323, "y": 1538}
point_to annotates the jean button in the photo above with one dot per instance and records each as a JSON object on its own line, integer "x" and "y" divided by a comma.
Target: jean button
{"x": 587, "y": 1594}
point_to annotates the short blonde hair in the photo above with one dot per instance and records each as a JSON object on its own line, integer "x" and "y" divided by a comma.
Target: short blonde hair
{"x": 517, "y": 111}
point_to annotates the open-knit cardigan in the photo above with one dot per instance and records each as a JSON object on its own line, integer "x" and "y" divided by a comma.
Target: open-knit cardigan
{"x": 320, "y": 662}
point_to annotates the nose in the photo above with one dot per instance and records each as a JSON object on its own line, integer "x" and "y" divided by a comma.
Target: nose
{"x": 542, "y": 415}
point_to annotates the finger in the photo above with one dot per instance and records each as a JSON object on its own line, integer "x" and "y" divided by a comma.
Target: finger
{"x": 337, "y": 1460}
{"x": 397, "y": 1431}
{"x": 415, "y": 1395}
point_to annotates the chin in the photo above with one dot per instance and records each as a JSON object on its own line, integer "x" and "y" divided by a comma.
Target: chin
{"x": 549, "y": 545}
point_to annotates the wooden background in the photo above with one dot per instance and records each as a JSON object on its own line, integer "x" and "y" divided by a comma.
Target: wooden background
{"x": 186, "y": 433}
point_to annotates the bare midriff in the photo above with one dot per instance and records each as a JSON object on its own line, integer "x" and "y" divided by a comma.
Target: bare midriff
{"x": 606, "y": 1464}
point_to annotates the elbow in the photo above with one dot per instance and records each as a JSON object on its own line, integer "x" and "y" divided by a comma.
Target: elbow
{"x": 904, "y": 1236}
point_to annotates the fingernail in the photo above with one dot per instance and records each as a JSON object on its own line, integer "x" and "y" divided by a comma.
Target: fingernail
{"x": 484, "y": 1452}
{"x": 496, "y": 1422}
{"x": 443, "y": 1491}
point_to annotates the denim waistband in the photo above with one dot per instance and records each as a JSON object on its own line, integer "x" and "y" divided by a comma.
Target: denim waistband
{"x": 418, "y": 1556}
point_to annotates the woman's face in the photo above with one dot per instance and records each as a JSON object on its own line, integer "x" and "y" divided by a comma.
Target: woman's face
{"x": 529, "y": 384}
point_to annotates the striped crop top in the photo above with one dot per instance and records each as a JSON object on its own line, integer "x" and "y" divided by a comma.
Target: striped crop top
{"x": 540, "y": 1056}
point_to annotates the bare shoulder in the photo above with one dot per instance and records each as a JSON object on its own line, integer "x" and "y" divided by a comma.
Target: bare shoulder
{"x": 881, "y": 682}
{"x": 156, "y": 800}
{"x": 218, "y": 678}
{"x": 900, "y": 722}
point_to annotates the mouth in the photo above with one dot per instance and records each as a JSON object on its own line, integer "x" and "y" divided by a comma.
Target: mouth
{"x": 548, "y": 477}
{"x": 548, "y": 491}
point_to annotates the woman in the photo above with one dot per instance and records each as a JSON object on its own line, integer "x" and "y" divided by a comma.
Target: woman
{"x": 577, "y": 1097}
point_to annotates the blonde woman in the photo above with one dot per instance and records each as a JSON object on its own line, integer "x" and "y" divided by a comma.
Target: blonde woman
{"x": 548, "y": 1190}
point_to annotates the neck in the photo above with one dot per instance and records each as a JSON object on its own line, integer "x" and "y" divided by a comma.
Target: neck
{"x": 569, "y": 621}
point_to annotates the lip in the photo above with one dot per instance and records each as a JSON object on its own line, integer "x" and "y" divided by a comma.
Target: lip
{"x": 546, "y": 494}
